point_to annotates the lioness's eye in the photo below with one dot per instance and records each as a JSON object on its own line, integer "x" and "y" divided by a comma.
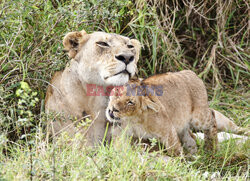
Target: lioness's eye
{"x": 130, "y": 103}
{"x": 102, "y": 43}
{"x": 130, "y": 46}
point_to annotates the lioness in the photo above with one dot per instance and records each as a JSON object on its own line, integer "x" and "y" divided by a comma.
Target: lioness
{"x": 99, "y": 58}
{"x": 102, "y": 59}
{"x": 165, "y": 107}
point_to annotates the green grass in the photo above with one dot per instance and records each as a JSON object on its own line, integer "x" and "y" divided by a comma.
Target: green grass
{"x": 181, "y": 36}
{"x": 60, "y": 161}
{"x": 124, "y": 162}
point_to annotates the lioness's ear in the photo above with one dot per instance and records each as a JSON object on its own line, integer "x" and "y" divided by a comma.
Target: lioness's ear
{"x": 137, "y": 46}
{"x": 151, "y": 102}
{"x": 72, "y": 42}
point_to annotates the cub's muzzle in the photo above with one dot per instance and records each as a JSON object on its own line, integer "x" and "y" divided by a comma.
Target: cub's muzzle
{"x": 111, "y": 114}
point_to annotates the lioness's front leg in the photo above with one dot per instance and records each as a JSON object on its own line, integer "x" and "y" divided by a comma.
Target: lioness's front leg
{"x": 96, "y": 132}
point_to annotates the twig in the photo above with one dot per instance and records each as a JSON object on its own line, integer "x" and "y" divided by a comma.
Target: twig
{"x": 53, "y": 160}
{"x": 10, "y": 48}
{"x": 48, "y": 84}
{"x": 210, "y": 61}
{"x": 83, "y": 136}
{"x": 86, "y": 147}
{"x": 31, "y": 163}
{"x": 8, "y": 74}
{"x": 63, "y": 129}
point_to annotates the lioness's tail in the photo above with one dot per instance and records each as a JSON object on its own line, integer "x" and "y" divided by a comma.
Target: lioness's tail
{"x": 226, "y": 125}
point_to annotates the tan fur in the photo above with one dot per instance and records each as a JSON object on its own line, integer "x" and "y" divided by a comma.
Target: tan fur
{"x": 226, "y": 125}
{"x": 168, "y": 117}
{"x": 95, "y": 60}
{"x": 96, "y": 65}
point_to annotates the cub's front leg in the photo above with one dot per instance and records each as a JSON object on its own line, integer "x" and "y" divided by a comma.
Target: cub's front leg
{"x": 172, "y": 142}
{"x": 116, "y": 131}
{"x": 188, "y": 141}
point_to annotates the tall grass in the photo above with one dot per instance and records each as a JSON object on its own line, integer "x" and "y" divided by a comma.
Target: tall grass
{"x": 209, "y": 37}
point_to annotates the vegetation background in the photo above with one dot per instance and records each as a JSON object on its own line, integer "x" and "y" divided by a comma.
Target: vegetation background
{"x": 208, "y": 37}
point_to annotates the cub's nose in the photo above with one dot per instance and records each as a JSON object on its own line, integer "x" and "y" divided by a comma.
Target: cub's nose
{"x": 111, "y": 114}
{"x": 125, "y": 57}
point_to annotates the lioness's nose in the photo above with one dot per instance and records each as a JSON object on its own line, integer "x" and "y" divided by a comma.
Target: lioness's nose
{"x": 126, "y": 58}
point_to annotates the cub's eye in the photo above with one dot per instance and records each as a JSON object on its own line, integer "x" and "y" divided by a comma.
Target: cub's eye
{"x": 130, "y": 46}
{"x": 102, "y": 44}
{"x": 130, "y": 103}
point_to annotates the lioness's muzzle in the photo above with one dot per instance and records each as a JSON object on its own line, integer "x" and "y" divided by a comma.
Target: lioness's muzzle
{"x": 121, "y": 72}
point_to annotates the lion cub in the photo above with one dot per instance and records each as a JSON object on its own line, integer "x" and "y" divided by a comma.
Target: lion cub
{"x": 165, "y": 107}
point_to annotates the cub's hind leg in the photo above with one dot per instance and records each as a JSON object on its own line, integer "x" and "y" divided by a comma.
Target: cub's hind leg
{"x": 204, "y": 120}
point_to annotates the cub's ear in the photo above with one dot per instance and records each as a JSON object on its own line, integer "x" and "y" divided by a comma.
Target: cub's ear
{"x": 151, "y": 102}
{"x": 73, "y": 41}
{"x": 137, "y": 46}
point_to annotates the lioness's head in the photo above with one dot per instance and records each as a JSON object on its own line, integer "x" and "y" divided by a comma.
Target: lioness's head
{"x": 103, "y": 58}
{"x": 126, "y": 105}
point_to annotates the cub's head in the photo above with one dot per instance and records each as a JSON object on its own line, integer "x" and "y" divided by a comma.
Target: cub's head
{"x": 125, "y": 104}
{"x": 103, "y": 58}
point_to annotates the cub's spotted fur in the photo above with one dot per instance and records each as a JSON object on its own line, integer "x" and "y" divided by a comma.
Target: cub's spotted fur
{"x": 182, "y": 106}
